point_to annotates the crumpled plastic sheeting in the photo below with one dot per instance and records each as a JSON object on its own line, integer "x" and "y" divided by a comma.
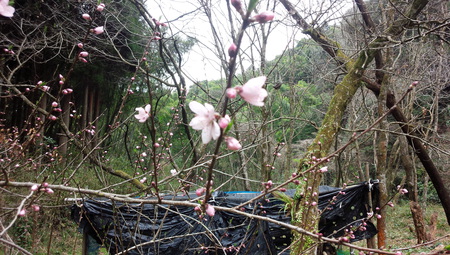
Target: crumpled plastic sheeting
{"x": 163, "y": 229}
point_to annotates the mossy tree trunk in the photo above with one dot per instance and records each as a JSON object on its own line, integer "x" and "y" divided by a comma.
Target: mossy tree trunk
{"x": 306, "y": 216}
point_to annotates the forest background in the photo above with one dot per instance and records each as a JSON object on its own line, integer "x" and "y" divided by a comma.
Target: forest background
{"x": 364, "y": 95}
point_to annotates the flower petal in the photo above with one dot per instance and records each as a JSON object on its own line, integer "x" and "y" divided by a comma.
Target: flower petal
{"x": 147, "y": 108}
{"x": 197, "y": 107}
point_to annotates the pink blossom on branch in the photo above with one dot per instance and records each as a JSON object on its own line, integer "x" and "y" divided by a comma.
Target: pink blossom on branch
{"x": 205, "y": 120}
{"x": 253, "y": 92}
{"x": 5, "y": 9}
{"x": 232, "y": 143}
{"x": 143, "y": 113}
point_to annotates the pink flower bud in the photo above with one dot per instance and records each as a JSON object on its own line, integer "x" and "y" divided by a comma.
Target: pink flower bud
{"x": 210, "y": 210}
{"x": 54, "y": 104}
{"x": 80, "y": 45}
{"x": 100, "y": 7}
{"x": 403, "y": 191}
{"x": 39, "y": 83}
{"x": 237, "y": 4}
{"x": 49, "y": 191}
{"x": 52, "y": 117}
{"x": 83, "y": 54}
{"x": 36, "y": 208}
{"x": 378, "y": 216}
{"x": 232, "y": 51}
{"x": 197, "y": 209}
{"x": 200, "y": 191}
{"x": 83, "y": 60}
{"x": 98, "y": 30}
{"x": 34, "y": 187}
{"x": 314, "y": 203}
{"x": 231, "y": 93}
{"x": 143, "y": 180}
{"x": 282, "y": 189}
{"x": 22, "y": 212}
{"x": 233, "y": 144}
{"x": 86, "y": 16}
{"x": 223, "y": 122}
{"x": 45, "y": 88}
{"x": 264, "y": 17}
{"x": 344, "y": 239}
{"x": 323, "y": 169}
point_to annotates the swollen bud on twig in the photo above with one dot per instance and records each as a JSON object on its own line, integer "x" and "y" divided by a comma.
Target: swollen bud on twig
{"x": 237, "y": 5}
{"x": 86, "y": 16}
{"x": 232, "y": 51}
{"x": 100, "y": 7}
{"x": 98, "y": 30}
{"x": 264, "y": 17}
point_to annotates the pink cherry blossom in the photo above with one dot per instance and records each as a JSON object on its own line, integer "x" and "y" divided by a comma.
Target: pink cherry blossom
{"x": 210, "y": 210}
{"x": 253, "y": 92}
{"x": 233, "y": 143}
{"x": 205, "y": 120}
{"x": 264, "y": 17}
{"x": 55, "y": 104}
{"x": 86, "y": 16}
{"x": 143, "y": 113}
{"x": 98, "y": 30}
{"x": 5, "y": 9}
{"x": 224, "y": 121}
{"x": 80, "y": 45}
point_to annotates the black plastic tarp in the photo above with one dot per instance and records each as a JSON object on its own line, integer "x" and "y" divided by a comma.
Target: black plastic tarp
{"x": 163, "y": 229}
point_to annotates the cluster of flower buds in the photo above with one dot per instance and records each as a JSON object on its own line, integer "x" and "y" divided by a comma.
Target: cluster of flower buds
{"x": 263, "y": 17}
{"x": 43, "y": 188}
{"x": 268, "y": 184}
{"x": 41, "y": 85}
{"x": 82, "y": 56}
{"x": 157, "y": 23}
